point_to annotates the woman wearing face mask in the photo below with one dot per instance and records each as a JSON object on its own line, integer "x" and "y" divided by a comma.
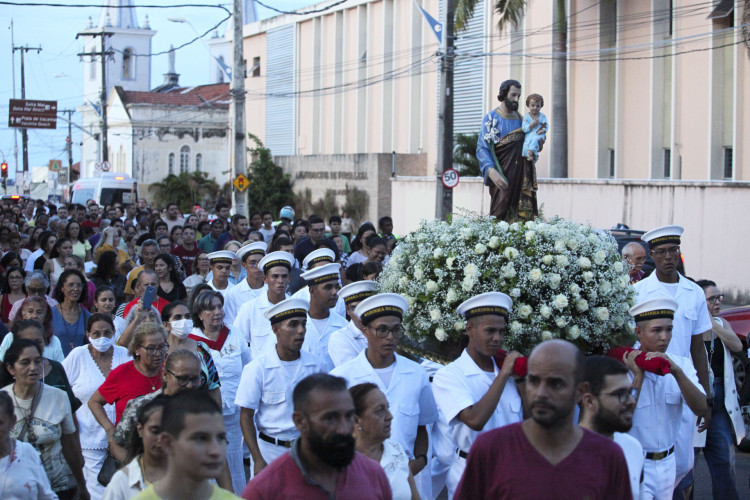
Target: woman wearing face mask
{"x": 145, "y": 461}
{"x": 177, "y": 323}
{"x": 87, "y": 367}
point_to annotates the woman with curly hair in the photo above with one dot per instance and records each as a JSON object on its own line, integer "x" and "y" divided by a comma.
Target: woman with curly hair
{"x": 170, "y": 284}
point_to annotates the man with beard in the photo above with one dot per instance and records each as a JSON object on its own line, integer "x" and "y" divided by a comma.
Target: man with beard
{"x": 265, "y": 390}
{"x": 322, "y": 463}
{"x": 547, "y": 455}
{"x": 249, "y": 288}
{"x": 509, "y": 174}
{"x": 607, "y": 409}
{"x": 473, "y": 393}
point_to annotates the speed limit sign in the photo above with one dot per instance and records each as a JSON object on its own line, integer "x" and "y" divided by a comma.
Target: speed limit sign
{"x": 450, "y": 178}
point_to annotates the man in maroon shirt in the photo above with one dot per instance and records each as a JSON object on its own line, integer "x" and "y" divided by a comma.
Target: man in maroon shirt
{"x": 322, "y": 462}
{"x": 94, "y": 221}
{"x": 547, "y": 455}
{"x": 188, "y": 250}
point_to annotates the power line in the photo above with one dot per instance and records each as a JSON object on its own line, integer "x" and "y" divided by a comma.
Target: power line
{"x": 303, "y": 13}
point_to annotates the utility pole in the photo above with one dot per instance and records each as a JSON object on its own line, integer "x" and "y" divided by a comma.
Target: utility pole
{"x": 24, "y": 134}
{"x": 69, "y": 140}
{"x": 103, "y": 54}
{"x": 13, "y": 73}
{"x": 444, "y": 198}
{"x": 239, "y": 154}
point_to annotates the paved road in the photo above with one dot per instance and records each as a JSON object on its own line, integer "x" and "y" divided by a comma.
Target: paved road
{"x": 703, "y": 479}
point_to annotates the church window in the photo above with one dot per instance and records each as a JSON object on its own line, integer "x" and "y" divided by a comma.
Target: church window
{"x": 128, "y": 64}
{"x": 184, "y": 158}
{"x": 198, "y": 162}
{"x": 171, "y": 163}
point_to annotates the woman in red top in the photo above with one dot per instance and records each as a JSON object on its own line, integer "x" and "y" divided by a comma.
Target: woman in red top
{"x": 134, "y": 378}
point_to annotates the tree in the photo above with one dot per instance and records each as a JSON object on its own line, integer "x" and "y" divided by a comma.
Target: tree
{"x": 465, "y": 155}
{"x": 511, "y": 12}
{"x": 270, "y": 188}
{"x": 356, "y": 204}
{"x": 185, "y": 189}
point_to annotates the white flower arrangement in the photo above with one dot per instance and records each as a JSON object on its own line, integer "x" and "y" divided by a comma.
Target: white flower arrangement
{"x": 566, "y": 280}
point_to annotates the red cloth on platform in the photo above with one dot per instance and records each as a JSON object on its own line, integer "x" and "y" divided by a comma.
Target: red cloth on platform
{"x": 520, "y": 367}
{"x": 659, "y": 366}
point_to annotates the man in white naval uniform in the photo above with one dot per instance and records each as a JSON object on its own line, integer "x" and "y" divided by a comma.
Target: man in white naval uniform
{"x": 473, "y": 393}
{"x": 249, "y": 288}
{"x": 690, "y": 322}
{"x": 404, "y": 382}
{"x": 251, "y": 321}
{"x": 323, "y": 283}
{"x": 316, "y": 258}
{"x": 221, "y": 264}
{"x": 349, "y": 341}
{"x": 661, "y": 398}
{"x": 267, "y": 382}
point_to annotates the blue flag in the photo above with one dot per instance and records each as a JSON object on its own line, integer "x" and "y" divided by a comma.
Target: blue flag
{"x": 224, "y": 67}
{"x": 436, "y": 26}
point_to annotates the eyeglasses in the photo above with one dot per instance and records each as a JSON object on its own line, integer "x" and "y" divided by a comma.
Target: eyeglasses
{"x": 182, "y": 381}
{"x": 674, "y": 251}
{"x": 716, "y": 298}
{"x": 73, "y": 285}
{"x": 151, "y": 350}
{"x": 37, "y": 291}
{"x": 382, "y": 332}
{"x": 623, "y": 395}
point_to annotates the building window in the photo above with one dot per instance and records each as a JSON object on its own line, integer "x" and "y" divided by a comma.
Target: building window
{"x": 255, "y": 70}
{"x": 667, "y": 163}
{"x": 728, "y": 163}
{"x": 198, "y": 162}
{"x": 128, "y": 64}
{"x": 184, "y": 159}
{"x": 612, "y": 163}
{"x": 171, "y": 163}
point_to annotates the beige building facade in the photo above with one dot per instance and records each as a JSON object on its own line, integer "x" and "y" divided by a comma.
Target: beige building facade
{"x": 655, "y": 89}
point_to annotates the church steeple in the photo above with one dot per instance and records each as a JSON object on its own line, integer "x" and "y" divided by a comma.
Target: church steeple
{"x": 118, "y": 14}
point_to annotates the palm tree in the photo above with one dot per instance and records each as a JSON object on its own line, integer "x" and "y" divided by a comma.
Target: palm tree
{"x": 511, "y": 13}
{"x": 465, "y": 155}
{"x": 185, "y": 189}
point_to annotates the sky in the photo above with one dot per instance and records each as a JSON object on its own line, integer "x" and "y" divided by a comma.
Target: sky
{"x": 57, "y": 74}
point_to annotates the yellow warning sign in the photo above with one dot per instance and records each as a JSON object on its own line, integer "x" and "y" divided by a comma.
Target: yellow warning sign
{"x": 241, "y": 182}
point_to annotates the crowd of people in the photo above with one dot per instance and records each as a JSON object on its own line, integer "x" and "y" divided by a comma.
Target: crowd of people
{"x": 153, "y": 354}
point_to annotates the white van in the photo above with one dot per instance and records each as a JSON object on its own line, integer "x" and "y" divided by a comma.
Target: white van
{"x": 106, "y": 189}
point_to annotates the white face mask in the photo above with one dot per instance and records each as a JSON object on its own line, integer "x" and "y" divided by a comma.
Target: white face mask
{"x": 181, "y": 328}
{"x": 102, "y": 344}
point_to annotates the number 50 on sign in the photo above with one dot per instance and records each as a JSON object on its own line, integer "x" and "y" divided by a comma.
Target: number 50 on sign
{"x": 450, "y": 178}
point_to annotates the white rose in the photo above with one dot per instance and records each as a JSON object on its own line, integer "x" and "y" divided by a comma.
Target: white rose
{"x": 574, "y": 289}
{"x": 451, "y": 296}
{"x": 554, "y": 280}
{"x": 510, "y": 253}
{"x": 449, "y": 262}
{"x": 515, "y": 293}
{"x": 403, "y": 281}
{"x": 535, "y": 275}
{"x": 459, "y": 325}
{"x": 545, "y": 312}
{"x": 515, "y": 327}
{"x": 559, "y": 246}
{"x": 605, "y": 287}
{"x": 600, "y": 257}
{"x": 574, "y": 332}
{"x": 480, "y": 248}
{"x": 562, "y": 261}
{"x": 434, "y": 314}
{"x": 560, "y": 302}
{"x": 588, "y": 276}
{"x": 494, "y": 242}
{"x": 619, "y": 267}
{"x": 411, "y": 300}
{"x": 572, "y": 244}
{"x": 515, "y": 226}
{"x": 503, "y": 225}
{"x": 467, "y": 284}
{"x": 530, "y": 224}
{"x": 508, "y": 271}
{"x": 418, "y": 273}
{"x": 530, "y": 235}
{"x": 584, "y": 262}
{"x": 431, "y": 286}
{"x": 560, "y": 322}
{"x": 466, "y": 233}
{"x": 582, "y": 305}
{"x": 525, "y": 311}
{"x": 437, "y": 253}
{"x": 547, "y": 260}
{"x": 471, "y": 270}
{"x": 602, "y": 313}
{"x": 546, "y": 335}
{"x": 441, "y": 335}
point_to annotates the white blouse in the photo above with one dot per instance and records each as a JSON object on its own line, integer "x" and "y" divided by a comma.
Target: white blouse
{"x": 85, "y": 379}
{"x": 395, "y": 463}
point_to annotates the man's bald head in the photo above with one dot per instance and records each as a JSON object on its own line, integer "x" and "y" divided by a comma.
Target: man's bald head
{"x": 562, "y": 354}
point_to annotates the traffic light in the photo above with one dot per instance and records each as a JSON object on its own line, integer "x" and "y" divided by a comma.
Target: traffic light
{"x": 4, "y": 170}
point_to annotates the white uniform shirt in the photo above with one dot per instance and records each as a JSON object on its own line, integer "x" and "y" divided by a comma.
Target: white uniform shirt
{"x": 222, "y": 292}
{"x": 345, "y": 344}
{"x": 657, "y": 416}
{"x": 691, "y": 317}
{"x": 462, "y": 384}
{"x": 635, "y": 459}
{"x": 316, "y": 342}
{"x": 253, "y": 326}
{"x": 24, "y": 477}
{"x": 266, "y": 387}
{"x": 238, "y": 295}
{"x": 229, "y": 361}
{"x": 409, "y": 395}
{"x": 304, "y": 294}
